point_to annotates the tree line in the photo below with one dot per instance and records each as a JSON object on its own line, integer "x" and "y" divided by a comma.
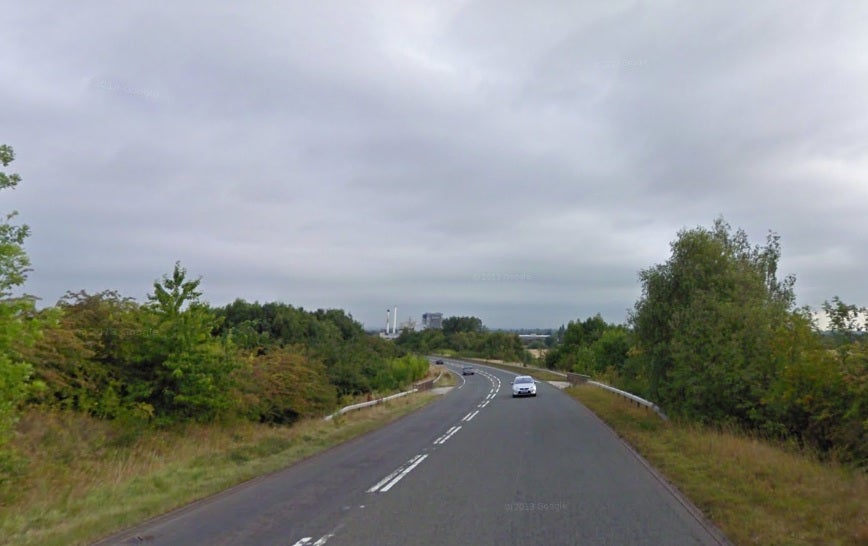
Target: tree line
{"x": 465, "y": 336}
{"x": 716, "y": 337}
{"x": 175, "y": 358}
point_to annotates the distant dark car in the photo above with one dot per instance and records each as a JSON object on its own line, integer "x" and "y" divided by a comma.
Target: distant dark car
{"x": 467, "y": 371}
{"x": 438, "y": 361}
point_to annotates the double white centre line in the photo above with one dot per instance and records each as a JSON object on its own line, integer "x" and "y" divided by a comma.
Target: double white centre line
{"x": 442, "y": 440}
{"x": 389, "y": 481}
{"x": 307, "y": 540}
{"x": 470, "y": 415}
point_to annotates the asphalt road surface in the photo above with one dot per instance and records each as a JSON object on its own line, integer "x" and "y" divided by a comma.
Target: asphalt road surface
{"x": 475, "y": 467}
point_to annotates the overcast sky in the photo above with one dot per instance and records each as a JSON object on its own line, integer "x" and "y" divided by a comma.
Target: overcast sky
{"x": 516, "y": 161}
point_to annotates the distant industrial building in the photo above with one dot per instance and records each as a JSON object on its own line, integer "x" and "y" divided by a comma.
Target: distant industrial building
{"x": 530, "y": 338}
{"x": 391, "y": 331}
{"x": 432, "y": 320}
{"x": 408, "y": 325}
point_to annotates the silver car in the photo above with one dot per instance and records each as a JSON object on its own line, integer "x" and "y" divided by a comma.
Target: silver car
{"x": 523, "y": 385}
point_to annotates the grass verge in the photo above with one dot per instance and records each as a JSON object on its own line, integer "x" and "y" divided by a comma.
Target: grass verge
{"x": 755, "y": 492}
{"x": 86, "y": 478}
{"x": 447, "y": 379}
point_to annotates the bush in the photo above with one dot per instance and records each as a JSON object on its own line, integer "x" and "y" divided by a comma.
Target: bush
{"x": 283, "y": 385}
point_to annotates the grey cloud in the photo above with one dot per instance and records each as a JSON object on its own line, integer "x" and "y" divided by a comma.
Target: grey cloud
{"x": 517, "y": 163}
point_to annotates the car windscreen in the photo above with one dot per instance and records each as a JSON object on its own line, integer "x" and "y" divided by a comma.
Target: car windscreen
{"x": 524, "y": 380}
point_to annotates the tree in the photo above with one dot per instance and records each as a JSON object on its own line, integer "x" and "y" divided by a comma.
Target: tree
{"x": 706, "y": 323}
{"x": 585, "y": 333}
{"x": 611, "y": 349}
{"x": 16, "y": 322}
{"x": 845, "y": 410}
{"x": 282, "y": 385}
{"x": 173, "y": 294}
{"x": 189, "y": 369}
{"x": 453, "y": 325}
{"x": 846, "y": 321}
{"x": 348, "y": 327}
{"x": 575, "y": 350}
{"x": 86, "y": 358}
{"x": 352, "y": 359}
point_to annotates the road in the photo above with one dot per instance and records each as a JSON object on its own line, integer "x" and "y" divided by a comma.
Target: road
{"x": 476, "y": 467}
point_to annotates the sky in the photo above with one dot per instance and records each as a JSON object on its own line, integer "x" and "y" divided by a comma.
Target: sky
{"x": 520, "y": 162}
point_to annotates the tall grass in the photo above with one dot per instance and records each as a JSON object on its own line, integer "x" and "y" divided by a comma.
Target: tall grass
{"x": 447, "y": 379}
{"x": 755, "y": 491}
{"x": 86, "y": 478}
